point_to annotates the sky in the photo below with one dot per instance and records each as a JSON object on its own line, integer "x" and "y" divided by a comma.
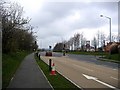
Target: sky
{"x": 57, "y": 20}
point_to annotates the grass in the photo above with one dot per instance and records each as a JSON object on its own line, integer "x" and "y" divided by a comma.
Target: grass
{"x": 88, "y": 53}
{"x": 10, "y": 63}
{"x": 57, "y": 81}
{"x": 113, "y": 57}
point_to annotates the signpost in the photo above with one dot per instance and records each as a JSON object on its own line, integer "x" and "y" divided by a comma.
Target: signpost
{"x": 88, "y": 45}
{"x": 64, "y": 50}
{"x": 50, "y": 62}
{"x": 50, "y": 48}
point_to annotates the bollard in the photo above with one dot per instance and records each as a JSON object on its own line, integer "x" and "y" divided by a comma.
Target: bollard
{"x": 63, "y": 53}
{"x": 50, "y": 62}
{"x": 39, "y": 56}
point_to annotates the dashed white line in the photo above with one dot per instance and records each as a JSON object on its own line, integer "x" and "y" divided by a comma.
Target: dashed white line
{"x": 83, "y": 67}
{"x": 62, "y": 61}
{"x": 51, "y": 57}
{"x": 114, "y": 69}
{"x": 114, "y": 78}
{"x": 11, "y": 78}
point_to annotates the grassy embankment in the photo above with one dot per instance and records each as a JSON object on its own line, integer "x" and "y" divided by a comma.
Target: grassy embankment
{"x": 58, "y": 81}
{"x": 10, "y": 63}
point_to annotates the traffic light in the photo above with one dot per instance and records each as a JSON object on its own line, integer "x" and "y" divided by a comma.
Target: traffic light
{"x": 50, "y": 47}
{"x": 35, "y": 42}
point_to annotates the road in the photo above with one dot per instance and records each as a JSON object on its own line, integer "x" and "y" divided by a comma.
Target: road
{"x": 86, "y": 71}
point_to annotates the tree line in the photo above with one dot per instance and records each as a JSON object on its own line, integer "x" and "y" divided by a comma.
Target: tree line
{"x": 78, "y": 41}
{"x": 17, "y": 34}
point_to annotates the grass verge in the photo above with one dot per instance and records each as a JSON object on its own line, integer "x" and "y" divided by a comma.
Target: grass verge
{"x": 88, "y": 53}
{"x": 106, "y": 56}
{"x": 57, "y": 81}
{"x": 10, "y": 63}
{"x": 113, "y": 58}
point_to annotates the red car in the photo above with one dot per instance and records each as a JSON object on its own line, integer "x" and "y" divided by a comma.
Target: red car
{"x": 48, "y": 53}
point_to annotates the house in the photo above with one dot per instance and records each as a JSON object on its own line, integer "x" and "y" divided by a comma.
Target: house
{"x": 112, "y": 47}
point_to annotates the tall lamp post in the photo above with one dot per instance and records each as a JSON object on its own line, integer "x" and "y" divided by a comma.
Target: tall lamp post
{"x": 109, "y": 23}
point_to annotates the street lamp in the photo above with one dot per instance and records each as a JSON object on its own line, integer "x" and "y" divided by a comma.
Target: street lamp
{"x": 109, "y": 23}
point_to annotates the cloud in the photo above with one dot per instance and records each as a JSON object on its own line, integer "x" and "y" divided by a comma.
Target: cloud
{"x": 56, "y": 19}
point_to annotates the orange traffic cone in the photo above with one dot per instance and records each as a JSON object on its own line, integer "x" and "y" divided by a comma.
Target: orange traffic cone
{"x": 53, "y": 70}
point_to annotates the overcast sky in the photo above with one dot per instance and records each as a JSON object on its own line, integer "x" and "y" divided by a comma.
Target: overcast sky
{"x": 55, "y": 21}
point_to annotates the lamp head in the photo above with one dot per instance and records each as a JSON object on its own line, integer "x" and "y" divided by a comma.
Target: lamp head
{"x": 101, "y": 15}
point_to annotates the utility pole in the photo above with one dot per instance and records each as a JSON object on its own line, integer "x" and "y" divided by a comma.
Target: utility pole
{"x": 109, "y": 24}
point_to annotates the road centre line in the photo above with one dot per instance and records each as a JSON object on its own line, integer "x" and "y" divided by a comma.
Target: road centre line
{"x": 83, "y": 67}
{"x": 12, "y": 78}
{"x": 114, "y": 78}
{"x": 51, "y": 57}
{"x": 62, "y": 61}
{"x": 114, "y": 69}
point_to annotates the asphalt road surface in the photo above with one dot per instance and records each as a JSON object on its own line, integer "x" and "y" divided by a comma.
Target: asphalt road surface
{"x": 86, "y": 71}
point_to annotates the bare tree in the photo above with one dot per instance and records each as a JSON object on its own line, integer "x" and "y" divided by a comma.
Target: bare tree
{"x": 13, "y": 26}
{"x": 102, "y": 38}
{"x": 94, "y": 43}
{"x": 82, "y": 41}
{"x": 71, "y": 42}
{"x": 98, "y": 38}
{"x": 114, "y": 38}
{"x": 76, "y": 41}
{"x": 68, "y": 44}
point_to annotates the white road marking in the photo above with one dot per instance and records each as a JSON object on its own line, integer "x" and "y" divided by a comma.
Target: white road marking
{"x": 96, "y": 79}
{"x": 65, "y": 56}
{"x": 114, "y": 69}
{"x": 51, "y": 57}
{"x": 62, "y": 61}
{"x": 114, "y": 78}
{"x": 12, "y": 78}
{"x": 83, "y": 67}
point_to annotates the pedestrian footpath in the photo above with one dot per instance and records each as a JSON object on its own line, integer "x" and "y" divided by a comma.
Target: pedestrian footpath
{"x": 29, "y": 75}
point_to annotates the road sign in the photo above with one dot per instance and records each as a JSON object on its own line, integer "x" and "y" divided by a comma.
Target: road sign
{"x": 87, "y": 44}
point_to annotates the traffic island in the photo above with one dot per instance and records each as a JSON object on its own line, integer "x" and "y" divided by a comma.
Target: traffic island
{"x": 109, "y": 60}
{"x": 57, "y": 81}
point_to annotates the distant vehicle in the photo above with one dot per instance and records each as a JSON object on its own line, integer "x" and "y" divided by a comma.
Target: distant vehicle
{"x": 48, "y": 53}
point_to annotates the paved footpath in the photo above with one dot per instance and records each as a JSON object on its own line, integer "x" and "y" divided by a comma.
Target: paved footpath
{"x": 29, "y": 75}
